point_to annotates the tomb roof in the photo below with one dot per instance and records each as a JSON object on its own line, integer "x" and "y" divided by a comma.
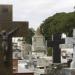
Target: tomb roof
{"x": 38, "y": 32}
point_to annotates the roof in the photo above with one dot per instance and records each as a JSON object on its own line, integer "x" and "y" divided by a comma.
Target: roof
{"x": 38, "y": 33}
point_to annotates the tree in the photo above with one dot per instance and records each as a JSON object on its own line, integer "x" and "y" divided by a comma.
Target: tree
{"x": 28, "y": 39}
{"x": 49, "y": 50}
{"x": 60, "y": 22}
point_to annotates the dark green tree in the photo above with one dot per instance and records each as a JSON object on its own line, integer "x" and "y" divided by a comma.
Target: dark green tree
{"x": 49, "y": 50}
{"x": 28, "y": 39}
{"x": 60, "y": 22}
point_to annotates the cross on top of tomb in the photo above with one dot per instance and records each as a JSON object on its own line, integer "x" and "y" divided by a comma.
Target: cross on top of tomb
{"x": 56, "y": 40}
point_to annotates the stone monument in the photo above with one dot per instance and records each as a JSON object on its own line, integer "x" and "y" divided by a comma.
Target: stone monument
{"x": 39, "y": 44}
{"x": 6, "y": 44}
{"x": 71, "y": 70}
{"x": 71, "y": 40}
{"x": 39, "y": 49}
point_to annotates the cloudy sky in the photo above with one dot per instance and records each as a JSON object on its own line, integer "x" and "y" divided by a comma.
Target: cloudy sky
{"x": 36, "y": 11}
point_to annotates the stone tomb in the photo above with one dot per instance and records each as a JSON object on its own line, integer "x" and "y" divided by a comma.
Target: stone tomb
{"x": 66, "y": 53}
{"x": 71, "y": 40}
{"x": 71, "y": 70}
{"x": 39, "y": 47}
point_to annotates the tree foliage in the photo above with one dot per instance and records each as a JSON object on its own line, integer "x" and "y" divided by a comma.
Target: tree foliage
{"x": 49, "y": 50}
{"x": 60, "y": 22}
{"x": 28, "y": 39}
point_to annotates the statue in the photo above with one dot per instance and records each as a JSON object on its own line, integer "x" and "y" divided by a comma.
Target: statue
{"x": 6, "y": 36}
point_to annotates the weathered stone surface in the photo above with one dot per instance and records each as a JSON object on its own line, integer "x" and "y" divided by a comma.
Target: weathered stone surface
{"x": 71, "y": 40}
{"x": 68, "y": 71}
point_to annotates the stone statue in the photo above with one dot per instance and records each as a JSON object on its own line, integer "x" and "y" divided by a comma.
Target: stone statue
{"x": 5, "y": 37}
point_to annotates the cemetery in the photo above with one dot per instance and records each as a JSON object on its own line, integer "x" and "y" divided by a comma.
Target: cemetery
{"x": 17, "y": 57}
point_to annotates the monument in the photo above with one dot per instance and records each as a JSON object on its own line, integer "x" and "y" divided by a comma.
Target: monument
{"x": 66, "y": 53}
{"x": 20, "y": 48}
{"x": 56, "y": 40}
{"x": 39, "y": 53}
{"x": 71, "y": 69}
{"x": 71, "y": 40}
{"x": 39, "y": 47}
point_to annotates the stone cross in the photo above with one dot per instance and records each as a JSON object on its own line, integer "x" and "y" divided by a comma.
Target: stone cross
{"x": 56, "y": 40}
{"x": 71, "y": 40}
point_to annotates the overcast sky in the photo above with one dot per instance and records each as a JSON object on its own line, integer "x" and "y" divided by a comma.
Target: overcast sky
{"x": 36, "y": 11}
